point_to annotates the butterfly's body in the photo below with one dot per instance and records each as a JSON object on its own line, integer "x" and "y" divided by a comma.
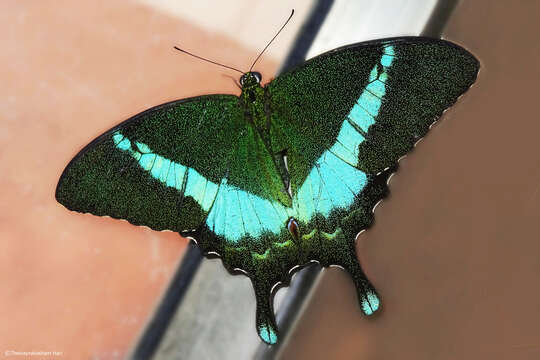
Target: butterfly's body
{"x": 281, "y": 175}
{"x": 256, "y": 108}
{"x": 254, "y": 99}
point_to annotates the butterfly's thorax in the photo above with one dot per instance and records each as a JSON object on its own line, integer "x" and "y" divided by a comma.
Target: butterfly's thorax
{"x": 253, "y": 101}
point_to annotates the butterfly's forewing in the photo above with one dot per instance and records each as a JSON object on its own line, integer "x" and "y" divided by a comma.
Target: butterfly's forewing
{"x": 157, "y": 169}
{"x": 395, "y": 88}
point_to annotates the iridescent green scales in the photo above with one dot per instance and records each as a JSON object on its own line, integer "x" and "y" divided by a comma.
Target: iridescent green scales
{"x": 283, "y": 174}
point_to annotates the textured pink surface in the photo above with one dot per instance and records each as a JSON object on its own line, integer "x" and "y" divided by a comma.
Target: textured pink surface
{"x": 74, "y": 283}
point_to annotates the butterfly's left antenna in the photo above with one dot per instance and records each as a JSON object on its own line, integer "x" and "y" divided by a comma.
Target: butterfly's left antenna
{"x": 275, "y": 36}
{"x": 210, "y": 61}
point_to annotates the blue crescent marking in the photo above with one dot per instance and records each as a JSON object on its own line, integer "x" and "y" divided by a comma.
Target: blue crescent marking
{"x": 268, "y": 334}
{"x": 370, "y": 303}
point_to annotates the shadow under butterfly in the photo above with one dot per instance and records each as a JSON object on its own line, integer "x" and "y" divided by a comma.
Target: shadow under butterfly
{"x": 282, "y": 175}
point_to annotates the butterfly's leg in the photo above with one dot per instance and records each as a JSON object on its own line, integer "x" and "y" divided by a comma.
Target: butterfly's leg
{"x": 265, "y": 321}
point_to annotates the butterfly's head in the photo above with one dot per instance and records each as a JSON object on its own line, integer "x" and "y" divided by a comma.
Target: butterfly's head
{"x": 250, "y": 79}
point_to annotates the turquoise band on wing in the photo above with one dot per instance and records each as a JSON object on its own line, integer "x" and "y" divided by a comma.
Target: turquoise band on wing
{"x": 234, "y": 213}
{"x": 335, "y": 176}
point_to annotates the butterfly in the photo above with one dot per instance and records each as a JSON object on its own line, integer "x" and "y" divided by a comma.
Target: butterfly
{"x": 283, "y": 175}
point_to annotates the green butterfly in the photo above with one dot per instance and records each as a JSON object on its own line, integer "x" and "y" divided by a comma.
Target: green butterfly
{"x": 282, "y": 175}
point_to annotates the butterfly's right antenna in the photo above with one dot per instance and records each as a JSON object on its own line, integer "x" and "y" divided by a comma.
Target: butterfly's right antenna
{"x": 275, "y": 36}
{"x": 210, "y": 61}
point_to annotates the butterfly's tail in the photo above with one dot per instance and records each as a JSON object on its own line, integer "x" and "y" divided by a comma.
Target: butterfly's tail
{"x": 265, "y": 321}
{"x": 343, "y": 253}
{"x": 367, "y": 295}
